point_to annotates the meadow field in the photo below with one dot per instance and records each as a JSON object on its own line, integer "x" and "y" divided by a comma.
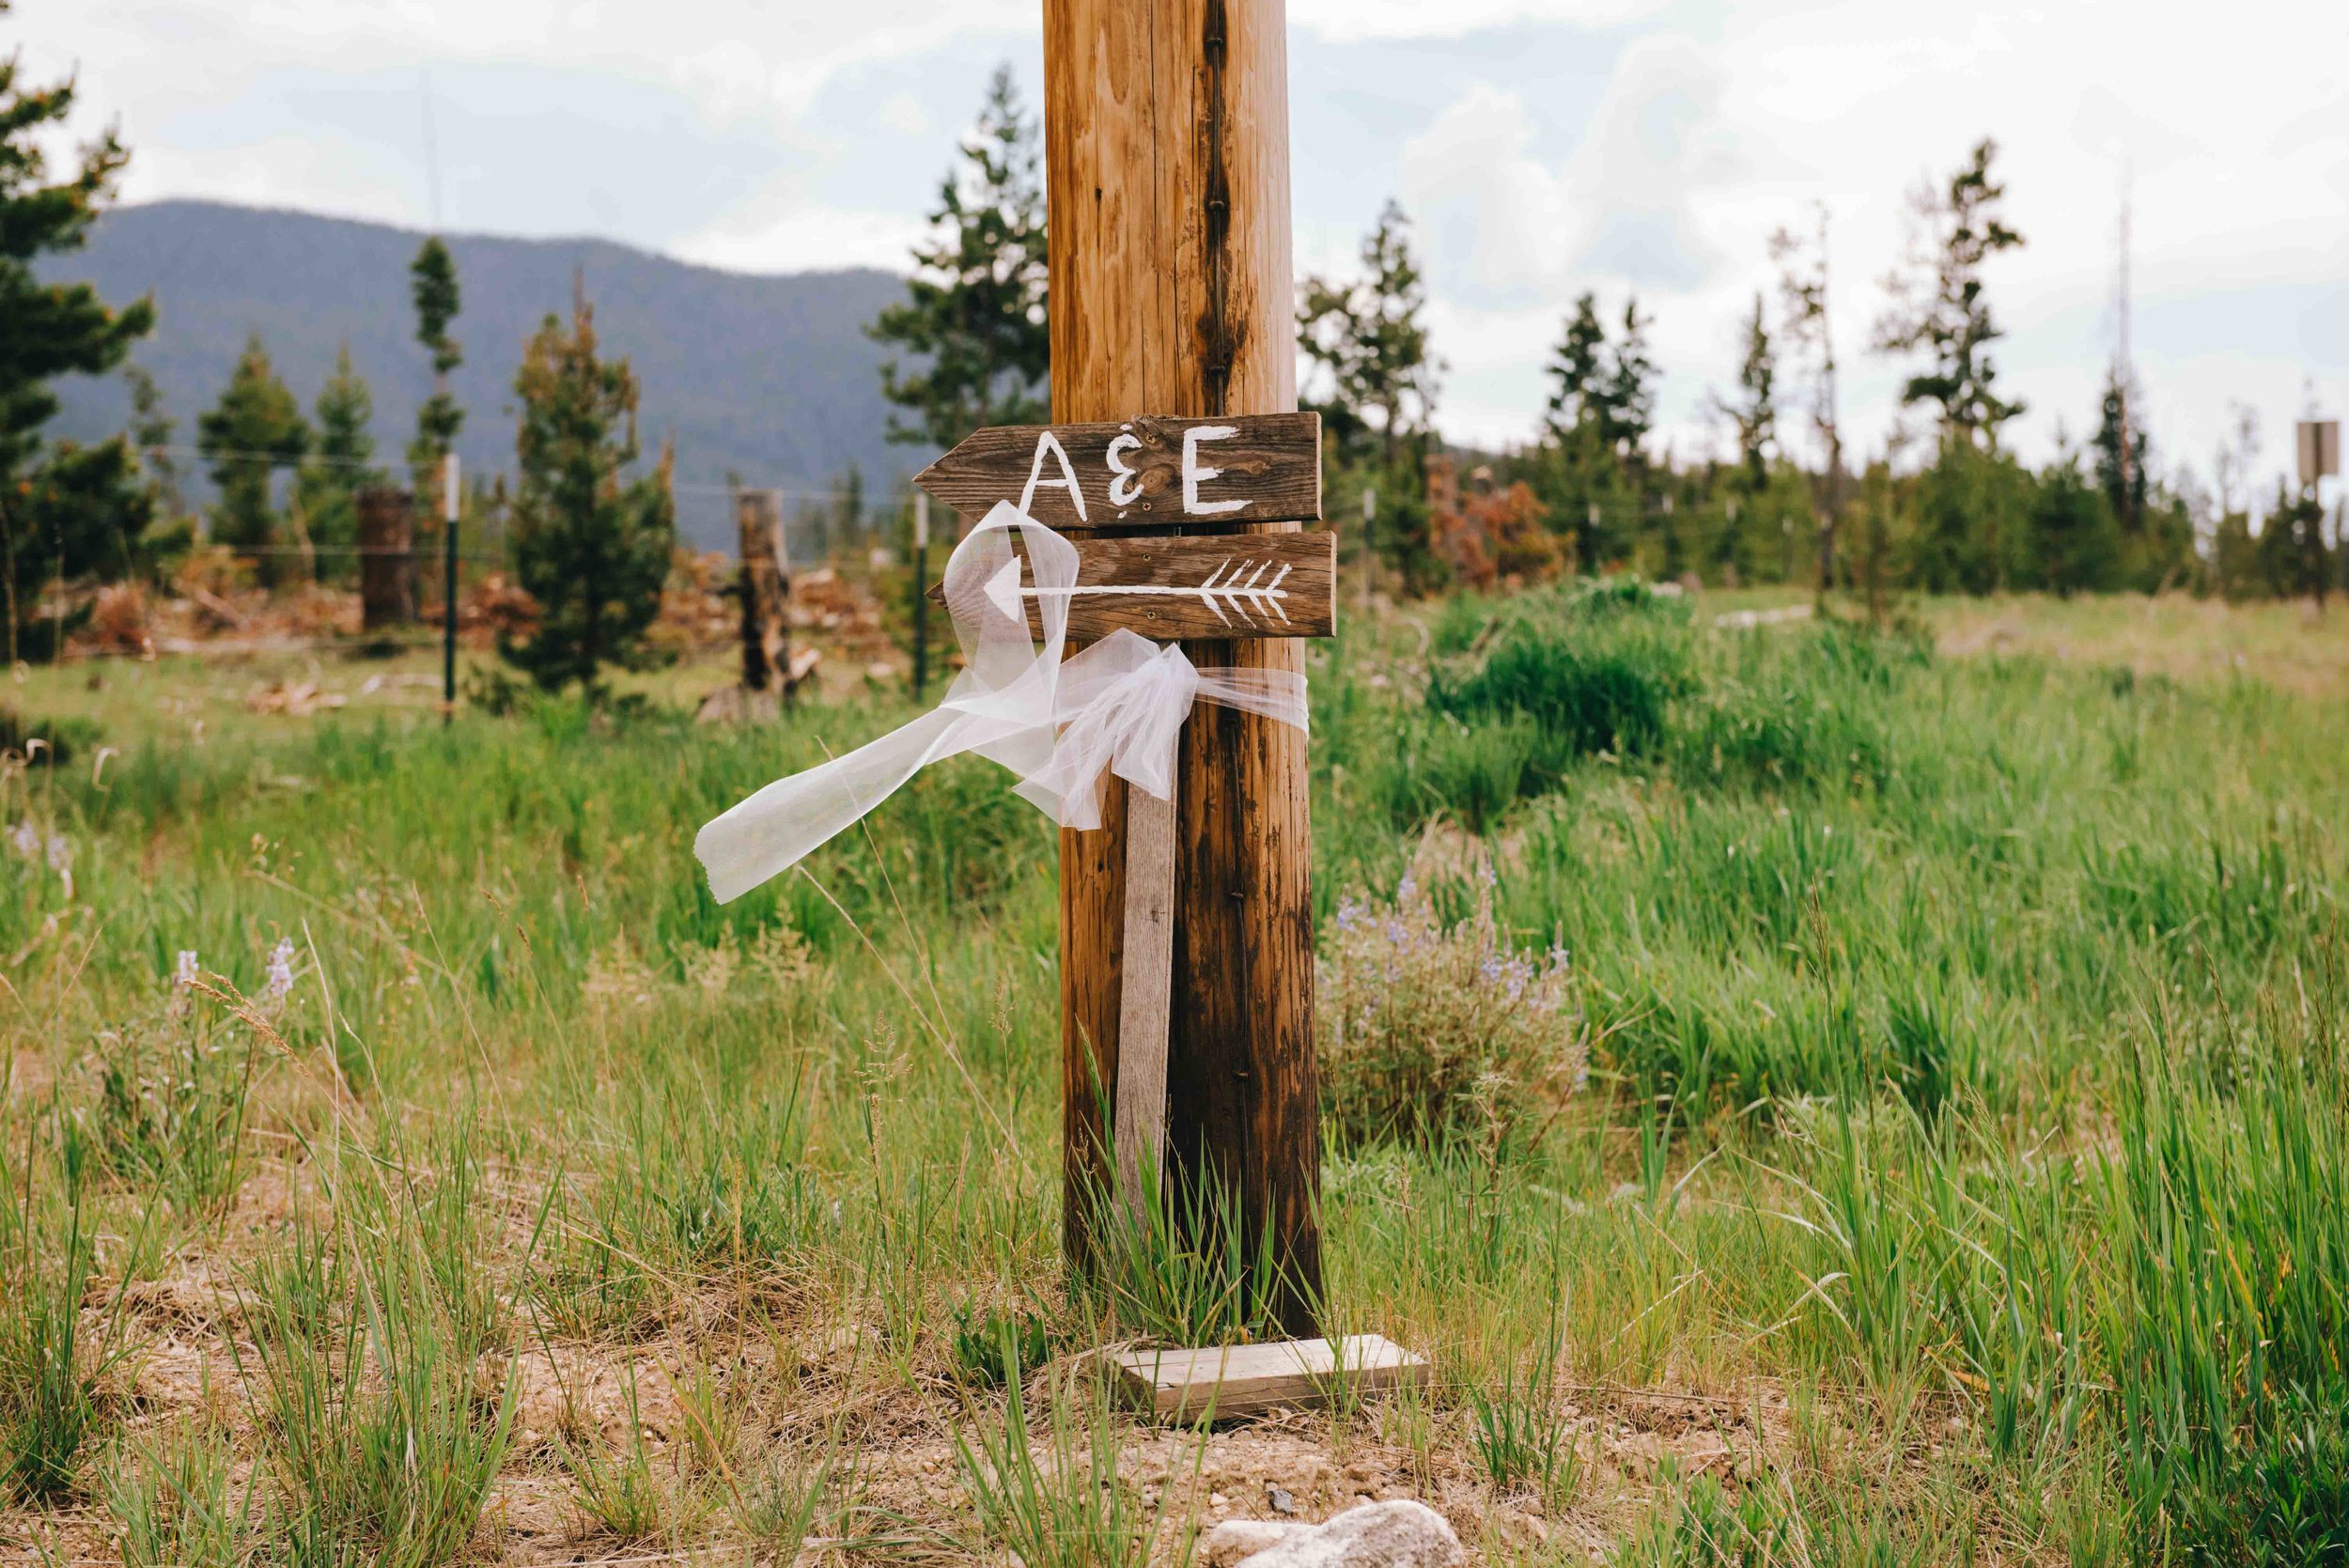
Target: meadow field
{"x": 1817, "y": 1095}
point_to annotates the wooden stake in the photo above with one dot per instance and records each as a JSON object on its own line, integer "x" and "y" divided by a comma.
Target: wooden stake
{"x": 1166, "y": 154}
{"x": 1149, "y": 954}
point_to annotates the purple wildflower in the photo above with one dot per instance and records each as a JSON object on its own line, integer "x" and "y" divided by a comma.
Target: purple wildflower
{"x": 281, "y": 978}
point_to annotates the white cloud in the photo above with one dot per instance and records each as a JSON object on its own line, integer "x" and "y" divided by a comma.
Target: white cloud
{"x": 904, "y": 112}
{"x": 1502, "y": 227}
{"x": 1654, "y": 149}
{"x": 1492, "y": 220}
{"x": 1452, "y": 19}
{"x": 804, "y": 238}
{"x": 739, "y": 56}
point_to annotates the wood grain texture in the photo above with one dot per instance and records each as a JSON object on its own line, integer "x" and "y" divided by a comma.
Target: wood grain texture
{"x": 1166, "y": 162}
{"x": 1149, "y": 954}
{"x": 1233, "y": 586}
{"x": 1261, "y": 468}
{"x": 1250, "y": 1379}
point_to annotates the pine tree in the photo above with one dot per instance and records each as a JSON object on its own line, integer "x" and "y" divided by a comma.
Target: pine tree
{"x": 1808, "y": 329}
{"x": 64, "y": 514}
{"x": 2291, "y": 554}
{"x": 1583, "y": 473}
{"x": 974, "y": 308}
{"x": 2074, "y": 537}
{"x": 848, "y": 505}
{"x": 2122, "y": 474}
{"x": 591, "y": 545}
{"x": 434, "y": 290}
{"x": 256, "y": 429}
{"x": 1754, "y": 520}
{"x": 1937, "y": 306}
{"x": 1369, "y": 340}
{"x": 86, "y": 507}
{"x": 341, "y": 464}
{"x": 150, "y": 434}
{"x": 1630, "y": 389}
{"x": 1755, "y": 413}
{"x": 1576, "y": 411}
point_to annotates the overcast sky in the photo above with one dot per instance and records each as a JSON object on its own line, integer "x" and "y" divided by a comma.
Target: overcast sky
{"x": 1543, "y": 147}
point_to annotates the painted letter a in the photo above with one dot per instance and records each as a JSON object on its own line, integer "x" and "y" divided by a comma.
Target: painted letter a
{"x": 1068, "y": 480}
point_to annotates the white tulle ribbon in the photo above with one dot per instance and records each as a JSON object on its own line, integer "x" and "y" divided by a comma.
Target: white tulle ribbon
{"x": 1059, "y": 722}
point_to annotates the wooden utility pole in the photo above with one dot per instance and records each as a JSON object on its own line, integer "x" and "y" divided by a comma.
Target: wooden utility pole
{"x": 1167, "y": 175}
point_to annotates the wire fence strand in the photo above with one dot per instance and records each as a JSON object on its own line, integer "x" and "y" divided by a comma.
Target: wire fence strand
{"x": 788, "y": 491}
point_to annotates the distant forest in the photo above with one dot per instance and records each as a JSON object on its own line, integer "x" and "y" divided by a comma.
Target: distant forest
{"x": 769, "y": 378}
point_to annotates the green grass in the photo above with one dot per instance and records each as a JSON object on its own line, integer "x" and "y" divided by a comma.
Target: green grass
{"x": 1965, "y": 1127}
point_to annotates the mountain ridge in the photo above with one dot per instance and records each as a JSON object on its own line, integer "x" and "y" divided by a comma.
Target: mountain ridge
{"x": 766, "y": 375}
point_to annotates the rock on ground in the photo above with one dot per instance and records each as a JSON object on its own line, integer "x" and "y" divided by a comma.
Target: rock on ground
{"x": 1375, "y": 1536}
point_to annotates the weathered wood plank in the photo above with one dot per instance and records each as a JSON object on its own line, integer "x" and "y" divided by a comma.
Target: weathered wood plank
{"x": 1144, "y": 472}
{"x": 1238, "y": 1380}
{"x": 1141, "y": 1013}
{"x": 1234, "y": 586}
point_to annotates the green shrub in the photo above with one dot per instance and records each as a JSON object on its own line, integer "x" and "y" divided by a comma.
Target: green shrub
{"x": 1434, "y": 1029}
{"x": 1589, "y": 684}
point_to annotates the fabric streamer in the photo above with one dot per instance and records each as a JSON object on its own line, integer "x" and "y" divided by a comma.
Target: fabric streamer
{"x": 1058, "y": 723}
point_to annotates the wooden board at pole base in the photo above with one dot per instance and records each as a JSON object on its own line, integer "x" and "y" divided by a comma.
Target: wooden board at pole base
{"x": 1236, "y": 1380}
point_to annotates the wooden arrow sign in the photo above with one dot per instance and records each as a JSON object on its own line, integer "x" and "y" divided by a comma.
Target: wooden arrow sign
{"x": 1236, "y": 586}
{"x": 1145, "y": 471}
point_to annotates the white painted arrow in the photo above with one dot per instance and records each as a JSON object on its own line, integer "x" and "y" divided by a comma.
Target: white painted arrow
{"x": 1240, "y": 592}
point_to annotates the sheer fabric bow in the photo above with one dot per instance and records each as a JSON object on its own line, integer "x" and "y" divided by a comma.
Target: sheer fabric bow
{"x": 1119, "y": 704}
